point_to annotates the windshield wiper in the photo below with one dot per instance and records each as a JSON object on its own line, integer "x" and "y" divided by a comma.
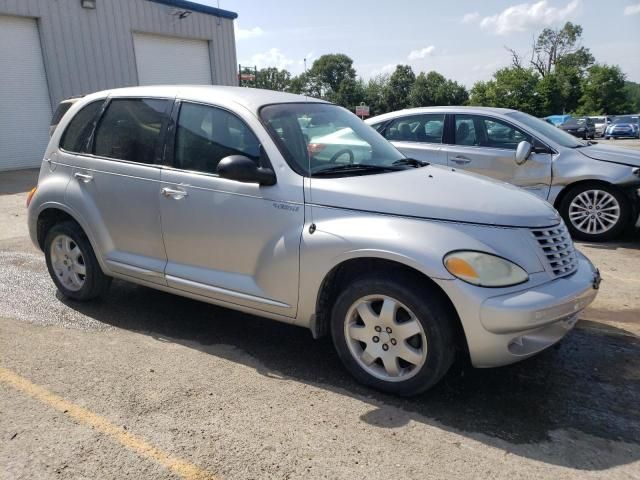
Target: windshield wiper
{"x": 411, "y": 161}
{"x": 357, "y": 167}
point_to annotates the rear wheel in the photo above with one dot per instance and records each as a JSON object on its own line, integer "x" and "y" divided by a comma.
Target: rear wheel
{"x": 393, "y": 336}
{"x": 72, "y": 263}
{"x": 595, "y": 212}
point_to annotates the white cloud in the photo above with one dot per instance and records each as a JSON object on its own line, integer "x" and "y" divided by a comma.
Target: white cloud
{"x": 632, "y": 9}
{"x": 384, "y": 70}
{"x": 422, "y": 53}
{"x": 246, "y": 33}
{"x": 523, "y": 17}
{"x": 471, "y": 17}
{"x": 271, "y": 58}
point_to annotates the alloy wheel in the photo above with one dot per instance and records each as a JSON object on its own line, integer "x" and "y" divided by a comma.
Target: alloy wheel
{"x": 385, "y": 338}
{"x": 68, "y": 263}
{"x": 594, "y": 212}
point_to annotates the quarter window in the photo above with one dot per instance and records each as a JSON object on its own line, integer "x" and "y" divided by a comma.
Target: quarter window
{"x": 74, "y": 137}
{"x": 130, "y": 130}
{"x": 205, "y": 135}
{"x": 417, "y": 128}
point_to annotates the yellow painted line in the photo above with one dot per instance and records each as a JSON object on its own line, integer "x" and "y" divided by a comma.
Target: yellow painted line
{"x": 622, "y": 279}
{"x": 181, "y": 468}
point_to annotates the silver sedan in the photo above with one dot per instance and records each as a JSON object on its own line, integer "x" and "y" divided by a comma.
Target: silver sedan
{"x": 596, "y": 188}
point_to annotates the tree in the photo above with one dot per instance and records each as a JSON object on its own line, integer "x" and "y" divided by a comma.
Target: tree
{"x": 603, "y": 91}
{"x": 556, "y": 46}
{"x": 273, "y": 79}
{"x": 632, "y": 90}
{"x": 511, "y": 87}
{"x": 434, "y": 89}
{"x": 328, "y": 73}
{"x": 374, "y": 94}
{"x": 398, "y": 89}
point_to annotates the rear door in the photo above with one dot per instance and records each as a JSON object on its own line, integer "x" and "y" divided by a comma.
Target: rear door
{"x": 116, "y": 185}
{"x": 487, "y": 146}
{"x": 418, "y": 136}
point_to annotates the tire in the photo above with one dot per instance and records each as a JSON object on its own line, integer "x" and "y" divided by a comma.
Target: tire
{"x": 578, "y": 218}
{"x": 434, "y": 341}
{"x": 68, "y": 253}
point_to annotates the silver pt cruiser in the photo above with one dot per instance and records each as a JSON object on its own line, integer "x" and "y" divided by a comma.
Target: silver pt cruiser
{"x": 224, "y": 195}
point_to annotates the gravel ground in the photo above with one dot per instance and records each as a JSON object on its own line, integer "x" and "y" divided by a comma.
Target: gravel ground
{"x": 242, "y": 397}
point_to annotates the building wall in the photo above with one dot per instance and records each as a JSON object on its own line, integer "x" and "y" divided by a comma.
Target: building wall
{"x": 88, "y": 50}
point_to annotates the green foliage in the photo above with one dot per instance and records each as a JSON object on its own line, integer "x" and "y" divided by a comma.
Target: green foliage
{"x": 603, "y": 91}
{"x": 511, "y": 87}
{"x": 273, "y": 79}
{"x": 398, "y": 89}
{"x": 434, "y": 89}
{"x": 632, "y": 90}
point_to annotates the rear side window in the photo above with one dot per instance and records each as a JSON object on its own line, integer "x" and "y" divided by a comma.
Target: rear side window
{"x": 60, "y": 111}
{"x": 205, "y": 135}
{"x": 130, "y": 130}
{"x": 427, "y": 128}
{"x": 74, "y": 137}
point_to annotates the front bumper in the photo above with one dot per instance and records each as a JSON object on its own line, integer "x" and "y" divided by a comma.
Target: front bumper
{"x": 506, "y": 328}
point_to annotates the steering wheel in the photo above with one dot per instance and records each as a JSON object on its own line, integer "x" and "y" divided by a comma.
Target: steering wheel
{"x": 339, "y": 153}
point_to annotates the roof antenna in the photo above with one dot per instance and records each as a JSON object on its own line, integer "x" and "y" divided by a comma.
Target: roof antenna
{"x": 305, "y": 76}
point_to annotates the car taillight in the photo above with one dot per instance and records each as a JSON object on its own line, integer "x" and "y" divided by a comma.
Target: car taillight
{"x": 316, "y": 147}
{"x": 30, "y": 196}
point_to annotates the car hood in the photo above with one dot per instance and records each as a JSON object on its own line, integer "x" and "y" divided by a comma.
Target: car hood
{"x": 610, "y": 153}
{"x": 436, "y": 192}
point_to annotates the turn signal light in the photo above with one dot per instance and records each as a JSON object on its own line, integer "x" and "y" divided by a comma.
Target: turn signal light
{"x": 30, "y": 196}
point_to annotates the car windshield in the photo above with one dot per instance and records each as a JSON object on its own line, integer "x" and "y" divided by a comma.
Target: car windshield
{"x": 317, "y": 137}
{"x": 626, "y": 119}
{"x": 547, "y": 130}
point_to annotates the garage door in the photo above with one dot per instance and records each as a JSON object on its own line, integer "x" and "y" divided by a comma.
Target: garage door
{"x": 25, "y": 108}
{"x": 170, "y": 60}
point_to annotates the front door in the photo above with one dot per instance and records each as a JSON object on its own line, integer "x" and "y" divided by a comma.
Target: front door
{"x": 116, "y": 182}
{"x": 234, "y": 242}
{"x": 487, "y": 146}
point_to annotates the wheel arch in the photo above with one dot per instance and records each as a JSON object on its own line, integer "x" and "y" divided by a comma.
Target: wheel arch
{"x": 592, "y": 181}
{"x": 350, "y": 269}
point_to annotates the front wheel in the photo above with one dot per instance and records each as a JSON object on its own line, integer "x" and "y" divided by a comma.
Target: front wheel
{"x": 392, "y": 335}
{"x": 595, "y": 212}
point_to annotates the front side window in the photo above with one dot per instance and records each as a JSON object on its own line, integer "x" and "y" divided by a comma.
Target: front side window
{"x": 476, "y": 130}
{"x": 316, "y": 137}
{"x": 465, "y": 132}
{"x": 205, "y": 135}
{"x": 130, "y": 130}
{"x": 426, "y": 128}
{"x": 74, "y": 137}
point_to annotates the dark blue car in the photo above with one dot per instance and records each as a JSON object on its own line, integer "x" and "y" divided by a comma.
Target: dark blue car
{"x": 624, "y": 126}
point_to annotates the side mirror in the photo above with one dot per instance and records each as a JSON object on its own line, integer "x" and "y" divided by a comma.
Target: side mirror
{"x": 523, "y": 152}
{"x": 243, "y": 169}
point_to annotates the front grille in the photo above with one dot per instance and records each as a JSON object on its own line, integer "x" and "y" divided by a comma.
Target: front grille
{"x": 557, "y": 248}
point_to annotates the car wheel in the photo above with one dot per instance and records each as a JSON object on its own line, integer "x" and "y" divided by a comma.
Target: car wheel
{"x": 72, "y": 263}
{"x": 595, "y": 212}
{"x": 392, "y": 335}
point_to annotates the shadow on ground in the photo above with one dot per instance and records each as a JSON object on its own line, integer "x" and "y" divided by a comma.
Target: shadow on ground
{"x": 589, "y": 383}
{"x": 18, "y": 181}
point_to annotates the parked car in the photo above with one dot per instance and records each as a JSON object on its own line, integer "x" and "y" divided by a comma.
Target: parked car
{"x": 601, "y": 123}
{"x": 624, "y": 126}
{"x": 581, "y": 127}
{"x": 63, "y": 107}
{"x": 557, "y": 120}
{"x": 595, "y": 187}
{"x": 210, "y": 193}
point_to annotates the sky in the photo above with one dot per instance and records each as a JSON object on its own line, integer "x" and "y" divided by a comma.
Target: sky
{"x": 462, "y": 39}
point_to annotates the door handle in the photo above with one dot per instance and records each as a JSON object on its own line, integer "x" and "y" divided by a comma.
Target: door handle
{"x": 460, "y": 159}
{"x": 173, "y": 193}
{"x": 83, "y": 177}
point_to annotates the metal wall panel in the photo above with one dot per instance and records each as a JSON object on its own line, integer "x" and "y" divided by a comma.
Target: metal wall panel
{"x": 88, "y": 50}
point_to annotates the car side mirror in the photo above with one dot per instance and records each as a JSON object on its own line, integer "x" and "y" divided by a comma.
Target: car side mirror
{"x": 243, "y": 169}
{"x": 523, "y": 152}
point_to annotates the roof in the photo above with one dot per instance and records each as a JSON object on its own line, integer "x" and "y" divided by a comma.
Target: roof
{"x": 445, "y": 109}
{"x": 198, "y": 7}
{"x": 250, "y": 98}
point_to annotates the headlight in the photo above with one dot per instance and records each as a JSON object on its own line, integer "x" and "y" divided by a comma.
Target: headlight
{"x": 484, "y": 269}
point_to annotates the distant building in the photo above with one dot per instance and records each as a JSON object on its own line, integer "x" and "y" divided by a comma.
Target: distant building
{"x": 55, "y": 49}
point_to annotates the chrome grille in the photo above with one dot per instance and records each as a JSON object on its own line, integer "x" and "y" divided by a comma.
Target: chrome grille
{"x": 557, "y": 248}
